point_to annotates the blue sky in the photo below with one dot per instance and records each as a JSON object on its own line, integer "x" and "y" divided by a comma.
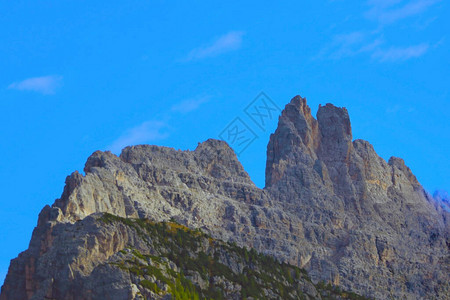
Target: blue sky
{"x": 77, "y": 76}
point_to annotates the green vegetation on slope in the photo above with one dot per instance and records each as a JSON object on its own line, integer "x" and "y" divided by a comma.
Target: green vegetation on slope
{"x": 189, "y": 264}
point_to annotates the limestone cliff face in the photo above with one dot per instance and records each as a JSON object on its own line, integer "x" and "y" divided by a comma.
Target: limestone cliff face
{"x": 371, "y": 224}
{"x": 330, "y": 205}
{"x": 206, "y": 189}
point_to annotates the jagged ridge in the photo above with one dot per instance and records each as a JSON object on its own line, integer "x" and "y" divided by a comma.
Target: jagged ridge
{"x": 331, "y": 205}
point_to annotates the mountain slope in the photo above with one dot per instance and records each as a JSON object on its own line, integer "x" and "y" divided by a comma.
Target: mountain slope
{"x": 331, "y": 205}
{"x": 164, "y": 260}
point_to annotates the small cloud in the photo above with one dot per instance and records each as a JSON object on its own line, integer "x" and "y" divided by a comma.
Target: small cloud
{"x": 423, "y": 24}
{"x": 393, "y": 109}
{"x": 344, "y": 44}
{"x": 390, "y": 11}
{"x": 350, "y": 44}
{"x": 356, "y": 43}
{"x": 189, "y": 105}
{"x": 400, "y": 54}
{"x": 46, "y": 85}
{"x": 228, "y": 42}
{"x": 371, "y": 41}
{"x": 341, "y": 45}
{"x": 371, "y": 46}
{"x": 439, "y": 43}
{"x": 147, "y": 132}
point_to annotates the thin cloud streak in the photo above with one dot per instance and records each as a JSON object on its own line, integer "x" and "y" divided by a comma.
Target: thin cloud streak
{"x": 356, "y": 43}
{"x": 372, "y": 42}
{"x": 228, "y": 42}
{"x": 350, "y": 44}
{"x": 189, "y": 105}
{"x": 400, "y": 54}
{"x": 343, "y": 44}
{"x": 46, "y": 85}
{"x": 384, "y": 12}
{"x": 147, "y": 132}
{"x": 155, "y": 130}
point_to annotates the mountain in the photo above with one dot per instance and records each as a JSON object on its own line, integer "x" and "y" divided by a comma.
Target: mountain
{"x": 443, "y": 199}
{"x": 331, "y": 206}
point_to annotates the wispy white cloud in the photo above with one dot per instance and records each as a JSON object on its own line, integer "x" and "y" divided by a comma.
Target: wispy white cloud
{"x": 372, "y": 42}
{"x": 350, "y": 44}
{"x": 390, "y": 11}
{"x": 225, "y": 43}
{"x": 158, "y": 129}
{"x": 345, "y": 44}
{"x": 356, "y": 43}
{"x": 371, "y": 46}
{"x": 46, "y": 85}
{"x": 147, "y": 132}
{"x": 189, "y": 105}
{"x": 400, "y": 54}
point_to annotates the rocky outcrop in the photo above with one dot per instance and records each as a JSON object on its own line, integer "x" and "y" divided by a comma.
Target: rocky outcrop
{"x": 206, "y": 188}
{"x": 330, "y": 205}
{"x": 372, "y": 225}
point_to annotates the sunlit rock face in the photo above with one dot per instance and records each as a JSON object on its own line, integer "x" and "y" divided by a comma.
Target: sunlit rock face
{"x": 330, "y": 205}
{"x": 368, "y": 220}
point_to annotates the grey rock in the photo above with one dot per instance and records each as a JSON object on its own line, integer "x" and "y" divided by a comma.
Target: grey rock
{"x": 372, "y": 226}
{"x": 330, "y": 205}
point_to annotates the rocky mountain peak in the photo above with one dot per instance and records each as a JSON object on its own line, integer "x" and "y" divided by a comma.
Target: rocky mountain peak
{"x": 300, "y": 137}
{"x": 331, "y": 205}
{"x": 335, "y": 132}
{"x": 399, "y": 163}
{"x": 315, "y": 169}
{"x": 334, "y": 121}
{"x": 99, "y": 159}
{"x": 297, "y": 130}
